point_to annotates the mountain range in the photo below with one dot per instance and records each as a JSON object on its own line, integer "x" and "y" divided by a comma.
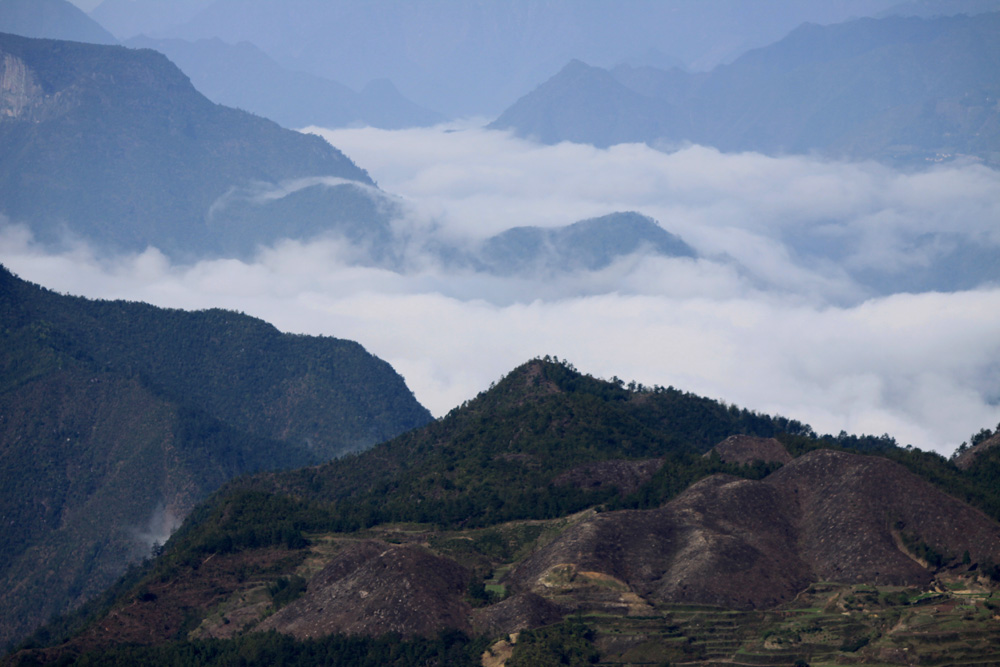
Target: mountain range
{"x": 904, "y": 90}
{"x": 148, "y": 135}
{"x": 200, "y": 488}
{"x": 52, "y": 19}
{"x": 554, "y": 495}
{"x": 102, "y": 140}
{"x": 236, "y": 75}
{"x": 475, "y": 59}
{"x": 116, "y": 418}
{"x": 244, "y": 77}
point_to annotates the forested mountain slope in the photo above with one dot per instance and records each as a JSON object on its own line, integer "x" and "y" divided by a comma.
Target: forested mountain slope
{"x": 117, "y": 417}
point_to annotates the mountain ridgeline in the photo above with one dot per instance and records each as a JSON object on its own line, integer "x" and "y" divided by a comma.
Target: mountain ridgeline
{"x": 53, "y": 19}
{"x": 244, "y": 77}
{"x": 116, "y": 418}
{"x": 587, "y": 245}
{"x": 899, "y": 89}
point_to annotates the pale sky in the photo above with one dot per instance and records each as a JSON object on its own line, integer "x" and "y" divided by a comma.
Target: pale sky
{"x": 86, "y": 5}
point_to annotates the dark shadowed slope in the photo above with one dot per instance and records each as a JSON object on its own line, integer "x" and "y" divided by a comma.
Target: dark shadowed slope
{"x": 116, "y": 418}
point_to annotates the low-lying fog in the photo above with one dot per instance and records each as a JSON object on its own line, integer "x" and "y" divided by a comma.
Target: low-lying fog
{"x": 849, "y": 296}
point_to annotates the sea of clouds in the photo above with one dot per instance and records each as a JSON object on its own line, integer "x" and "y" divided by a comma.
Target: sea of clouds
{"x": 778, "y": 314}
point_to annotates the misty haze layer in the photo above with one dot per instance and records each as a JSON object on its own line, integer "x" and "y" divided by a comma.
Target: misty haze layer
{"x": 849, "y": 295}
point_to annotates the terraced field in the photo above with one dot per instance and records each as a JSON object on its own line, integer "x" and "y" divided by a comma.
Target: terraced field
{"x": 830, "y": 624}
{"x": 956, "y": 622}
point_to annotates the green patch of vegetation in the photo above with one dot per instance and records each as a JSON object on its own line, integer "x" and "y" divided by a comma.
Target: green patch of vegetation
{"x": 568, "y": 643}
{"x": 497, "y": 591}
{"x": 266, "y": 649}
{"x": 919, "y": 548}
{"x": 286, "y": 589}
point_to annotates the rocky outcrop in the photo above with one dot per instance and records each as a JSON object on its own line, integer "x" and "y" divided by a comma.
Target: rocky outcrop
{"x": 745, "y": 449}
{"x": 19, "y": 90}
{"x": 967, "y": 458}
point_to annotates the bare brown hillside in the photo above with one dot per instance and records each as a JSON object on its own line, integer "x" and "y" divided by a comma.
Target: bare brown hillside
{"x": 826, "y": 515}
{"x": 374, "y": 588}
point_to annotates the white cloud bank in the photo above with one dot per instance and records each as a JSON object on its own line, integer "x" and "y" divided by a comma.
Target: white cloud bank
{"x": 758, "y": 322}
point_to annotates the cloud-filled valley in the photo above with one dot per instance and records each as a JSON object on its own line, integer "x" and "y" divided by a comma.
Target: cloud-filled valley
{"x": 851, "y": 296}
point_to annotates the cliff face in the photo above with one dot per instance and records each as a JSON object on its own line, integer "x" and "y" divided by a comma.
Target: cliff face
{"x": 19, "y": 91}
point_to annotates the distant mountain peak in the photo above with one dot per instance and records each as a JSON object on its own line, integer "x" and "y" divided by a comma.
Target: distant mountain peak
{"x": 51, "y": 19}
{"x": 900, "y": 89}
{"x": 586, "y": 245}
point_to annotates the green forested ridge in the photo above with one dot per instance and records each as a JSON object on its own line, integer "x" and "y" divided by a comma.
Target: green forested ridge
{"x": 326, "y": 394}
{"x": 494, "y": 460}
{"x": 116, "y": 418}
{"x": 491, "y": 461}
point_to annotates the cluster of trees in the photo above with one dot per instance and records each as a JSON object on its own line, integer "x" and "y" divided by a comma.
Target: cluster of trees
{"x": 449, "y": 648}
{"x": 981, "y": 436}
{"x": 568, "y": 643}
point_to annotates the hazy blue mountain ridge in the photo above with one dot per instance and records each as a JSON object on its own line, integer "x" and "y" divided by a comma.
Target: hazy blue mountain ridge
{"x": 588, "y": 245}
{"x": 472, "y": 58}
{"x": 128, "y": 18}
{"x": 244, "y": 77}
{"x": 115, "y": 146}
{"x": 53, "y": 19}
{"x": 897, "y": 89}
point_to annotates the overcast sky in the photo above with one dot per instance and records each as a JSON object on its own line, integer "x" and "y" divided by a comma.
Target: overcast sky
{"x": 752, "y": 322}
